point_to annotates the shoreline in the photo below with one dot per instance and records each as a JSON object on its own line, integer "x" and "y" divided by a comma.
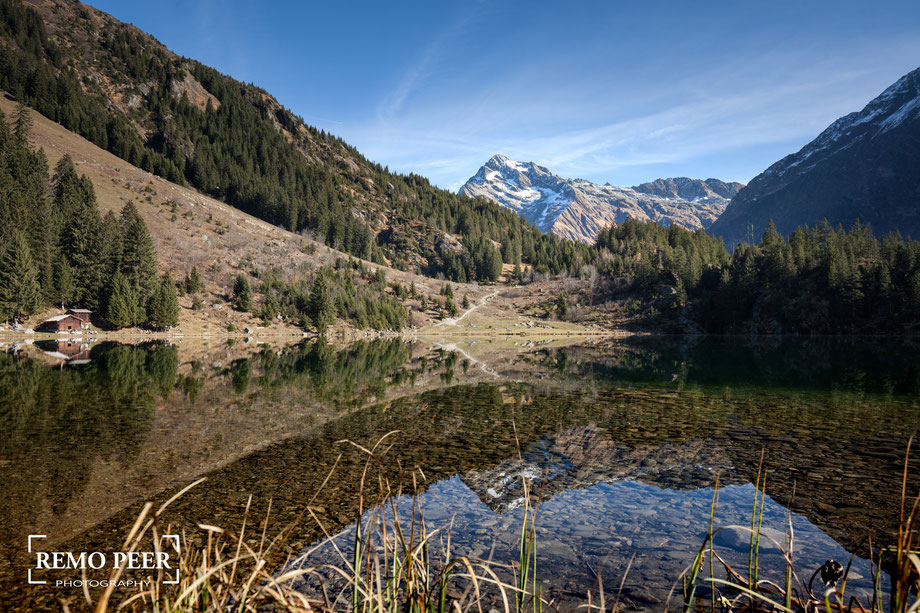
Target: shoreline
{"x": 428, "y": 333}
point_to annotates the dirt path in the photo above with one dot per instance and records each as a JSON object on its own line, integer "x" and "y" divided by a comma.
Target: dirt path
{"x": 453, "y": 321}
{"x": 482, "y": 366}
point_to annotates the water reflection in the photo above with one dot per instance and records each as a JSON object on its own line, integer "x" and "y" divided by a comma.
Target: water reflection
{"x": 873, "y": 366}
{"x": 72, "y": 351}
{"x": 57, "y": 423}
{"x": 594, "y": 537}
{"x": 607, "y": 434}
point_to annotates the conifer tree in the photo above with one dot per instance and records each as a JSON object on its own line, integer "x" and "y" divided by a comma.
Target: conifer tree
{"x": 242, "y": 293}
{"x": 110, "y": 248}
{"x": 81, "y": 239}
{"x": 562, "y": 306}
{"x": 193, "y": 282}
{"x": 164, "y": 304}
{"x": 914, "y": 290}
{"x": 321, "y": 307}
{"x": 23, "y": 125}
{"x": 138, "y": 257}
{"x": 63, "y": 282}
{"x": 20, "y": 293}
{"x": 123, "y": 308}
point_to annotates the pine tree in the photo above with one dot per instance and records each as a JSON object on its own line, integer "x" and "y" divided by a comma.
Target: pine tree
{"x": 680, "y": 294}
{"x": 320, "y": 307}
{"x": 495, "y": 263}
{"x": 562, "y": 306}
{"x": 123, "y": 308}
{"x": 20, "y": 291}
{"x": 63, "y": 282}
{"x": 23, "y": 125}
{"x": 193, "y": 282}
{"x": 138, "y": 259}
{"x": 770, "y": 236}
{"x": 913, "y": 287}
{"x": 242, "y": 293}
{"x": 81, "y": 234}
{"x": 163, "y": 311}
{"x": 269, "y": 309}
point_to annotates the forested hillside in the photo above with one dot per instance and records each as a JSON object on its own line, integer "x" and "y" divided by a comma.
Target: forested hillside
{"x": 181, "y": 120}
{"x": 184, "y": 121}
{"x": 56, "y": 249}
{"x": 821, "y": 280}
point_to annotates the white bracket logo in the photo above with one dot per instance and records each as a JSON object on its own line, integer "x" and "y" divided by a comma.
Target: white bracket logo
{"x": 35, "y": 536}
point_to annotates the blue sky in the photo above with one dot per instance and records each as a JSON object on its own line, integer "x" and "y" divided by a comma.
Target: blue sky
{"x": 618, "y": 91}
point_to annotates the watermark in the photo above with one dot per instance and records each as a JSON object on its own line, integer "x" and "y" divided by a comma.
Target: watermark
{"x": 165, "y": 559}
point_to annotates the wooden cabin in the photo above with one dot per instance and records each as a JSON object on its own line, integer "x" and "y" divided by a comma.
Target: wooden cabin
{"x": 62, "y": 323}
{"x": 81, "y": 314}
{"x": 74, "y": 352}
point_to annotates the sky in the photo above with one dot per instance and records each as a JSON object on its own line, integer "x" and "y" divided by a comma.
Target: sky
{"x": 618, "y": 91}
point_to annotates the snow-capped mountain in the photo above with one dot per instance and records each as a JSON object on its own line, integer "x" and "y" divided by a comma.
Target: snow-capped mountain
{"x": 865, "y": 165}
{"x": 583, "y": 456}
{"x": 578, "y": 209}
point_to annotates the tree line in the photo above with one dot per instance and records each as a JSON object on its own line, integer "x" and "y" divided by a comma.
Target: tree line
{"x": 262, "y": 159}
{"x": 57, "y": 249}
{"x": 346, "y": 291}
{"x": 819, "y": 280}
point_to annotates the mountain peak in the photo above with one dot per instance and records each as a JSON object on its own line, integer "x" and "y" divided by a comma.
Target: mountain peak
{"x": 862, "y": 166}
{"x": 579, "y": 209}
{"x": 498, "y": 160}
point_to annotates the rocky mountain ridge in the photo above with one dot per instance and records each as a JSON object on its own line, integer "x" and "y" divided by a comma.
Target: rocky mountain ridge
{"x": 865, "y": 165}
{"x": 579, "y": 209}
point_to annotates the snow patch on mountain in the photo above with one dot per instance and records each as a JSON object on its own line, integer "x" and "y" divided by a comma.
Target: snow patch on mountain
{"x": 862, "y": 166}
{"x": 897, "y": 104}
{"x": 579, "y": 209}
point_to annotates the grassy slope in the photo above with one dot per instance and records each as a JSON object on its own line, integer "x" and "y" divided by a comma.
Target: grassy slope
{"x": 219, "y": 239}
{"x": 404, "y": 208}
{"x": 190, "y": 229}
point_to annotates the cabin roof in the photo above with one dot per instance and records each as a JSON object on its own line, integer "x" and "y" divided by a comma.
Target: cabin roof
{"x": 79, "y": 311}
{"x": 58, "y": 318}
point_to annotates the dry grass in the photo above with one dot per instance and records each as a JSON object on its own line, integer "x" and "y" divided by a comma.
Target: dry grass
{"x": 737, "y": 590}
{"x": 395, "y": 562}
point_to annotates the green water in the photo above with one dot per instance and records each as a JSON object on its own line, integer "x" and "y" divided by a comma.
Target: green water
{"x": 622, "y": 443}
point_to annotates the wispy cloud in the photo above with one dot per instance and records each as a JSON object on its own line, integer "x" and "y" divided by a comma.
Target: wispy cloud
{"x": 420, "y": 69}
{"x": 740, "y": 106}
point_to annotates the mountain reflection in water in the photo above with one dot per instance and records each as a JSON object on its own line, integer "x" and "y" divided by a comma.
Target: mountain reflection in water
{"x": 623, "y": 443}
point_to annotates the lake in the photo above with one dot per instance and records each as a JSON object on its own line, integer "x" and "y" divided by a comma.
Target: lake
{"x": 620, "y": 446}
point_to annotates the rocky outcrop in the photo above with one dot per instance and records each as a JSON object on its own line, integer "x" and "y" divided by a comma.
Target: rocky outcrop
{"x": 579, "y": 209}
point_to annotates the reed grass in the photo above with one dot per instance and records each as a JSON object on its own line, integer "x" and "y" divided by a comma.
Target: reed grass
{"x": 731, "y": 591}
{"x": 398, "y": 563}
